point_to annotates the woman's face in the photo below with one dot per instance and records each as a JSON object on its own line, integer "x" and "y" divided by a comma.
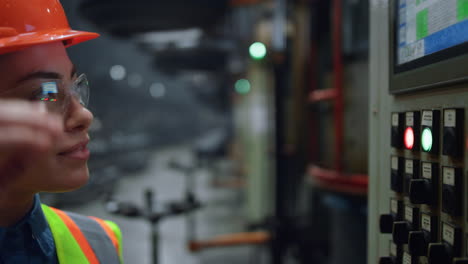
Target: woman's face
{"x": 22, "y": 75}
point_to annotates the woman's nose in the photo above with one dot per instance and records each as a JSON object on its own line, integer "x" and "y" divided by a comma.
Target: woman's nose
{"x": 78, "y": 118}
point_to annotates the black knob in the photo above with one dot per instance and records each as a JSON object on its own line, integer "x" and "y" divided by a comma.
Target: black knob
{"x": 439, "y": 254}
{"x": 401, "y": 232}
{"x": 451, "y": 146}
{"x": 386, "y": 223}
{"x": 386, "y": 260}
{"x": 420, "y": 191}
{"x": 451, "y": 200}
{"x": 418, "y": 242}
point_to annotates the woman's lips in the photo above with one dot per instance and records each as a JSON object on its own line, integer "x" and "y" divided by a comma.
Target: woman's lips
{"x": 79, "y": 152}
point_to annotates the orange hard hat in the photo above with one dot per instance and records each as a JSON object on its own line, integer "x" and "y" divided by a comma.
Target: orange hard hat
{"x": 24, "y": 23}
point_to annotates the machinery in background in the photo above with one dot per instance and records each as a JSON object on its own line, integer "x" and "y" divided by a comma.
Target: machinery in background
{"x": 320, "y": 127}
{"x": 154, "y": 213}
{"x": 125, "y": 18}
{"x": 283, "y": 128}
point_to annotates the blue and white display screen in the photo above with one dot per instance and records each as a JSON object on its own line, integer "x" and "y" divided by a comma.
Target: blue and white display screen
{"x": 425, "y": 27}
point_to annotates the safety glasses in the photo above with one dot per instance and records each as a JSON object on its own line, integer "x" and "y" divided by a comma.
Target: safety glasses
{"x": 58, "y": 97}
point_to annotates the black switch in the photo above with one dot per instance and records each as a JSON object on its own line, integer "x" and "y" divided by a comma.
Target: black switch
{"x": 411, "y": 134}
{"x": 396, "y": 177}
{"x": 386, "y": 223}
{"x": 424, "y": 190}
{"x": 418, "y": 242}
{"x": 443, "y": 253}
{"x": 430, "y": 131}
{"x": 386, "y": 220}
{"x": 453, "y": 144}
{"x": 411, "y": 172}
{"x": 439, "y": 254}
{"x": 401, "y": 229}
{"x": 461, "y": 261}
{"x": 398, "y": 122}
{"x": 420, "y": 191}
{"x": 452, "y": 191}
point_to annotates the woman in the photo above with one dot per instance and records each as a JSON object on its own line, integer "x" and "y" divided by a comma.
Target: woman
{"x": 43, "y": 137}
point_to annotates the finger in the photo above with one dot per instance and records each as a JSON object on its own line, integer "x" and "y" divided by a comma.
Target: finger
{"x": 29, "y": 114}
{"x": 17, "y": 137}
{"x": 21, "y": 143}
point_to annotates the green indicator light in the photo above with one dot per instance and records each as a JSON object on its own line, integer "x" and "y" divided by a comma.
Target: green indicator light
{"x": 242, "y": 86}
{"x": 426, "y": 139}
{"x": 258, "y": 51}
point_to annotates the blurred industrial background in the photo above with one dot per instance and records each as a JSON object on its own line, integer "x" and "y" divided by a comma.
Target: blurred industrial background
{"x": 227, "y": 131}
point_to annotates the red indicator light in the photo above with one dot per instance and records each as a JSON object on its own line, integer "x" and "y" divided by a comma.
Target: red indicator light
{"x": 409, "y": 138}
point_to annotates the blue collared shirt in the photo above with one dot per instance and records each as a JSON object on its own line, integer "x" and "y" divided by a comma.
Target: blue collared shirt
{"x": 29, "y": 241}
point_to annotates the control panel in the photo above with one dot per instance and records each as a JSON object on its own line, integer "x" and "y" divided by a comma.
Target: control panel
{"x": 418, "y": 145}
{"x": 425, "y": 222}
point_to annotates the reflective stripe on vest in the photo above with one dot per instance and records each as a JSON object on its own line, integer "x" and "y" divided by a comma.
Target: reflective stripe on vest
{"x": 97, "y": 237}
{"x": 108, "y": 231}
{"x": 113, "y": 232}
{"x": 79, "y": 239}
{"x": 116, "y": 230}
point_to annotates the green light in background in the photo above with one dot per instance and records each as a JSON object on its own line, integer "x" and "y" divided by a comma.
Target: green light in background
{"x": 258, "y": 51}
{"x": 242, "y": 86}
{"x": 426, "y": 139}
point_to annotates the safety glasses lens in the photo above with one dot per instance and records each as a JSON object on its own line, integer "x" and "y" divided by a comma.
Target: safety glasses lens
{"x": 80, "y": 90}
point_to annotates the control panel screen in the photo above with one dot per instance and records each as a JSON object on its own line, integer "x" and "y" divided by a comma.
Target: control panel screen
{"x": 427, "y": 27}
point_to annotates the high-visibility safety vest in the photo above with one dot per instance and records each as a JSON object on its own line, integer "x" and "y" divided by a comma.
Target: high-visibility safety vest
{"x": 84, "y": 240}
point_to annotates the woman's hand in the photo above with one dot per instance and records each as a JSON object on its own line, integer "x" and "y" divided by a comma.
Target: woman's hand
{"x": 27, "y": 133}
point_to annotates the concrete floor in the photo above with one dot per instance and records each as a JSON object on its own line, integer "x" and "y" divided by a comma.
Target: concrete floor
{"x": 222, "y": 213}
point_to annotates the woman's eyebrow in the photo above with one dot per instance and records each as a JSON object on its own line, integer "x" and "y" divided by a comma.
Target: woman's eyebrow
{"x": 40, "y": 75}
{"x": 46, "y": 75}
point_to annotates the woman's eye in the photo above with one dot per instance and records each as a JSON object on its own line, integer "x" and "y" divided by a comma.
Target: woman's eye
{"x": 36, "y": 95}
{"x": 47, "y": 91}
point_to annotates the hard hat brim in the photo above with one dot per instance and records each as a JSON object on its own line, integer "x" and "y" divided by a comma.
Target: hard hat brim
{"x": 67, "y": 36}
